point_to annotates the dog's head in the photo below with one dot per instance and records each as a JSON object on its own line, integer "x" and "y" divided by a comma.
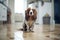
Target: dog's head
{"x": 30, "y": 14}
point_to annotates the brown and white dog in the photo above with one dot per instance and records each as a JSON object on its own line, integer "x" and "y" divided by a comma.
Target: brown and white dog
{"x": 30, "y": 18}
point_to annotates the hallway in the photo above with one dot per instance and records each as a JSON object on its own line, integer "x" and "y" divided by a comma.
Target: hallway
{"x": 13, "y": 14}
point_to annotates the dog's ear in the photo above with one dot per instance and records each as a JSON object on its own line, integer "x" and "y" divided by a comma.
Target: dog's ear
{"x": 35, "y": 13}
{"x": 27, "y": 13}
{"x": 28, "y": 10}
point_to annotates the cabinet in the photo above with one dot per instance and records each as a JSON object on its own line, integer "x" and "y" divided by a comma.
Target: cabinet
{"x": 3, "y": 13}
{"x": 46, "y": 20}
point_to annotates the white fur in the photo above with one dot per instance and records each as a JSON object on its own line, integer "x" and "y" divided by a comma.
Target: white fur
{"x": 26, "y": 22}
{"x": 31, "y": 11}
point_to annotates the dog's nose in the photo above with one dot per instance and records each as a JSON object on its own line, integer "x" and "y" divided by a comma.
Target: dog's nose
{"x": 31, "y": 13}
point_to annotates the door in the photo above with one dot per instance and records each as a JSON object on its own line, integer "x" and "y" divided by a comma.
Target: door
{"x": 57, "y": 11}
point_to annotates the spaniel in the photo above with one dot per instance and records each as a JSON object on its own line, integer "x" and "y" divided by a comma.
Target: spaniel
{"x": 30, "y": 18}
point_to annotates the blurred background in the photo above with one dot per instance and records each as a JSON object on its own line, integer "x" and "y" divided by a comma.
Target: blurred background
{"x": 47, "y": 25}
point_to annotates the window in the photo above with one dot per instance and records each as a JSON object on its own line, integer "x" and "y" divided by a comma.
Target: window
{"x": 20, "y": 6}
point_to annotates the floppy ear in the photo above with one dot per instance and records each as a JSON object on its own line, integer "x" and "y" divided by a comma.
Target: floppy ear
{"x": 35, "y": 13}
{"x": 27, "y": 13}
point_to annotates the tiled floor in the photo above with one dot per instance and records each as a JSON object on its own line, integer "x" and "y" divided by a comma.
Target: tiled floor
{"x": 41, "y": 32}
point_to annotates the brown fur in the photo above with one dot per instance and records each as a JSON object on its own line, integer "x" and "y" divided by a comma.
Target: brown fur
{"x": 27, "y": 17}
{"x": 30, "y": 19}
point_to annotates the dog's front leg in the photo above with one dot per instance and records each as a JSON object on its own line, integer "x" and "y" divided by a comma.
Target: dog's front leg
{"x": 24, "y": 27}
{"x": 31, "y": 29}
{"x": 28, "y": 28}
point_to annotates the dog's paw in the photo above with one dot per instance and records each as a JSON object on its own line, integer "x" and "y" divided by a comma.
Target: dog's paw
{"x": 31, "y": 31}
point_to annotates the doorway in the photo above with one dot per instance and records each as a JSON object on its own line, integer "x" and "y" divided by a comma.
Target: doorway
{"x": 57, "y": 11}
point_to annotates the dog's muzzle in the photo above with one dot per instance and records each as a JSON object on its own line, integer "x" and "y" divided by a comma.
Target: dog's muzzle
{"x": 31, "y": 13}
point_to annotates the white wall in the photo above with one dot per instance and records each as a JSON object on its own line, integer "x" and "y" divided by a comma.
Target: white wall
{"x": 46, "y": 8}
{"x": 19, "y": 17}
{"x": 19, "y": 10}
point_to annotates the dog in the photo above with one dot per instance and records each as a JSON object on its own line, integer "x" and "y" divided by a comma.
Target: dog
{"x": 30, "y": 18}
